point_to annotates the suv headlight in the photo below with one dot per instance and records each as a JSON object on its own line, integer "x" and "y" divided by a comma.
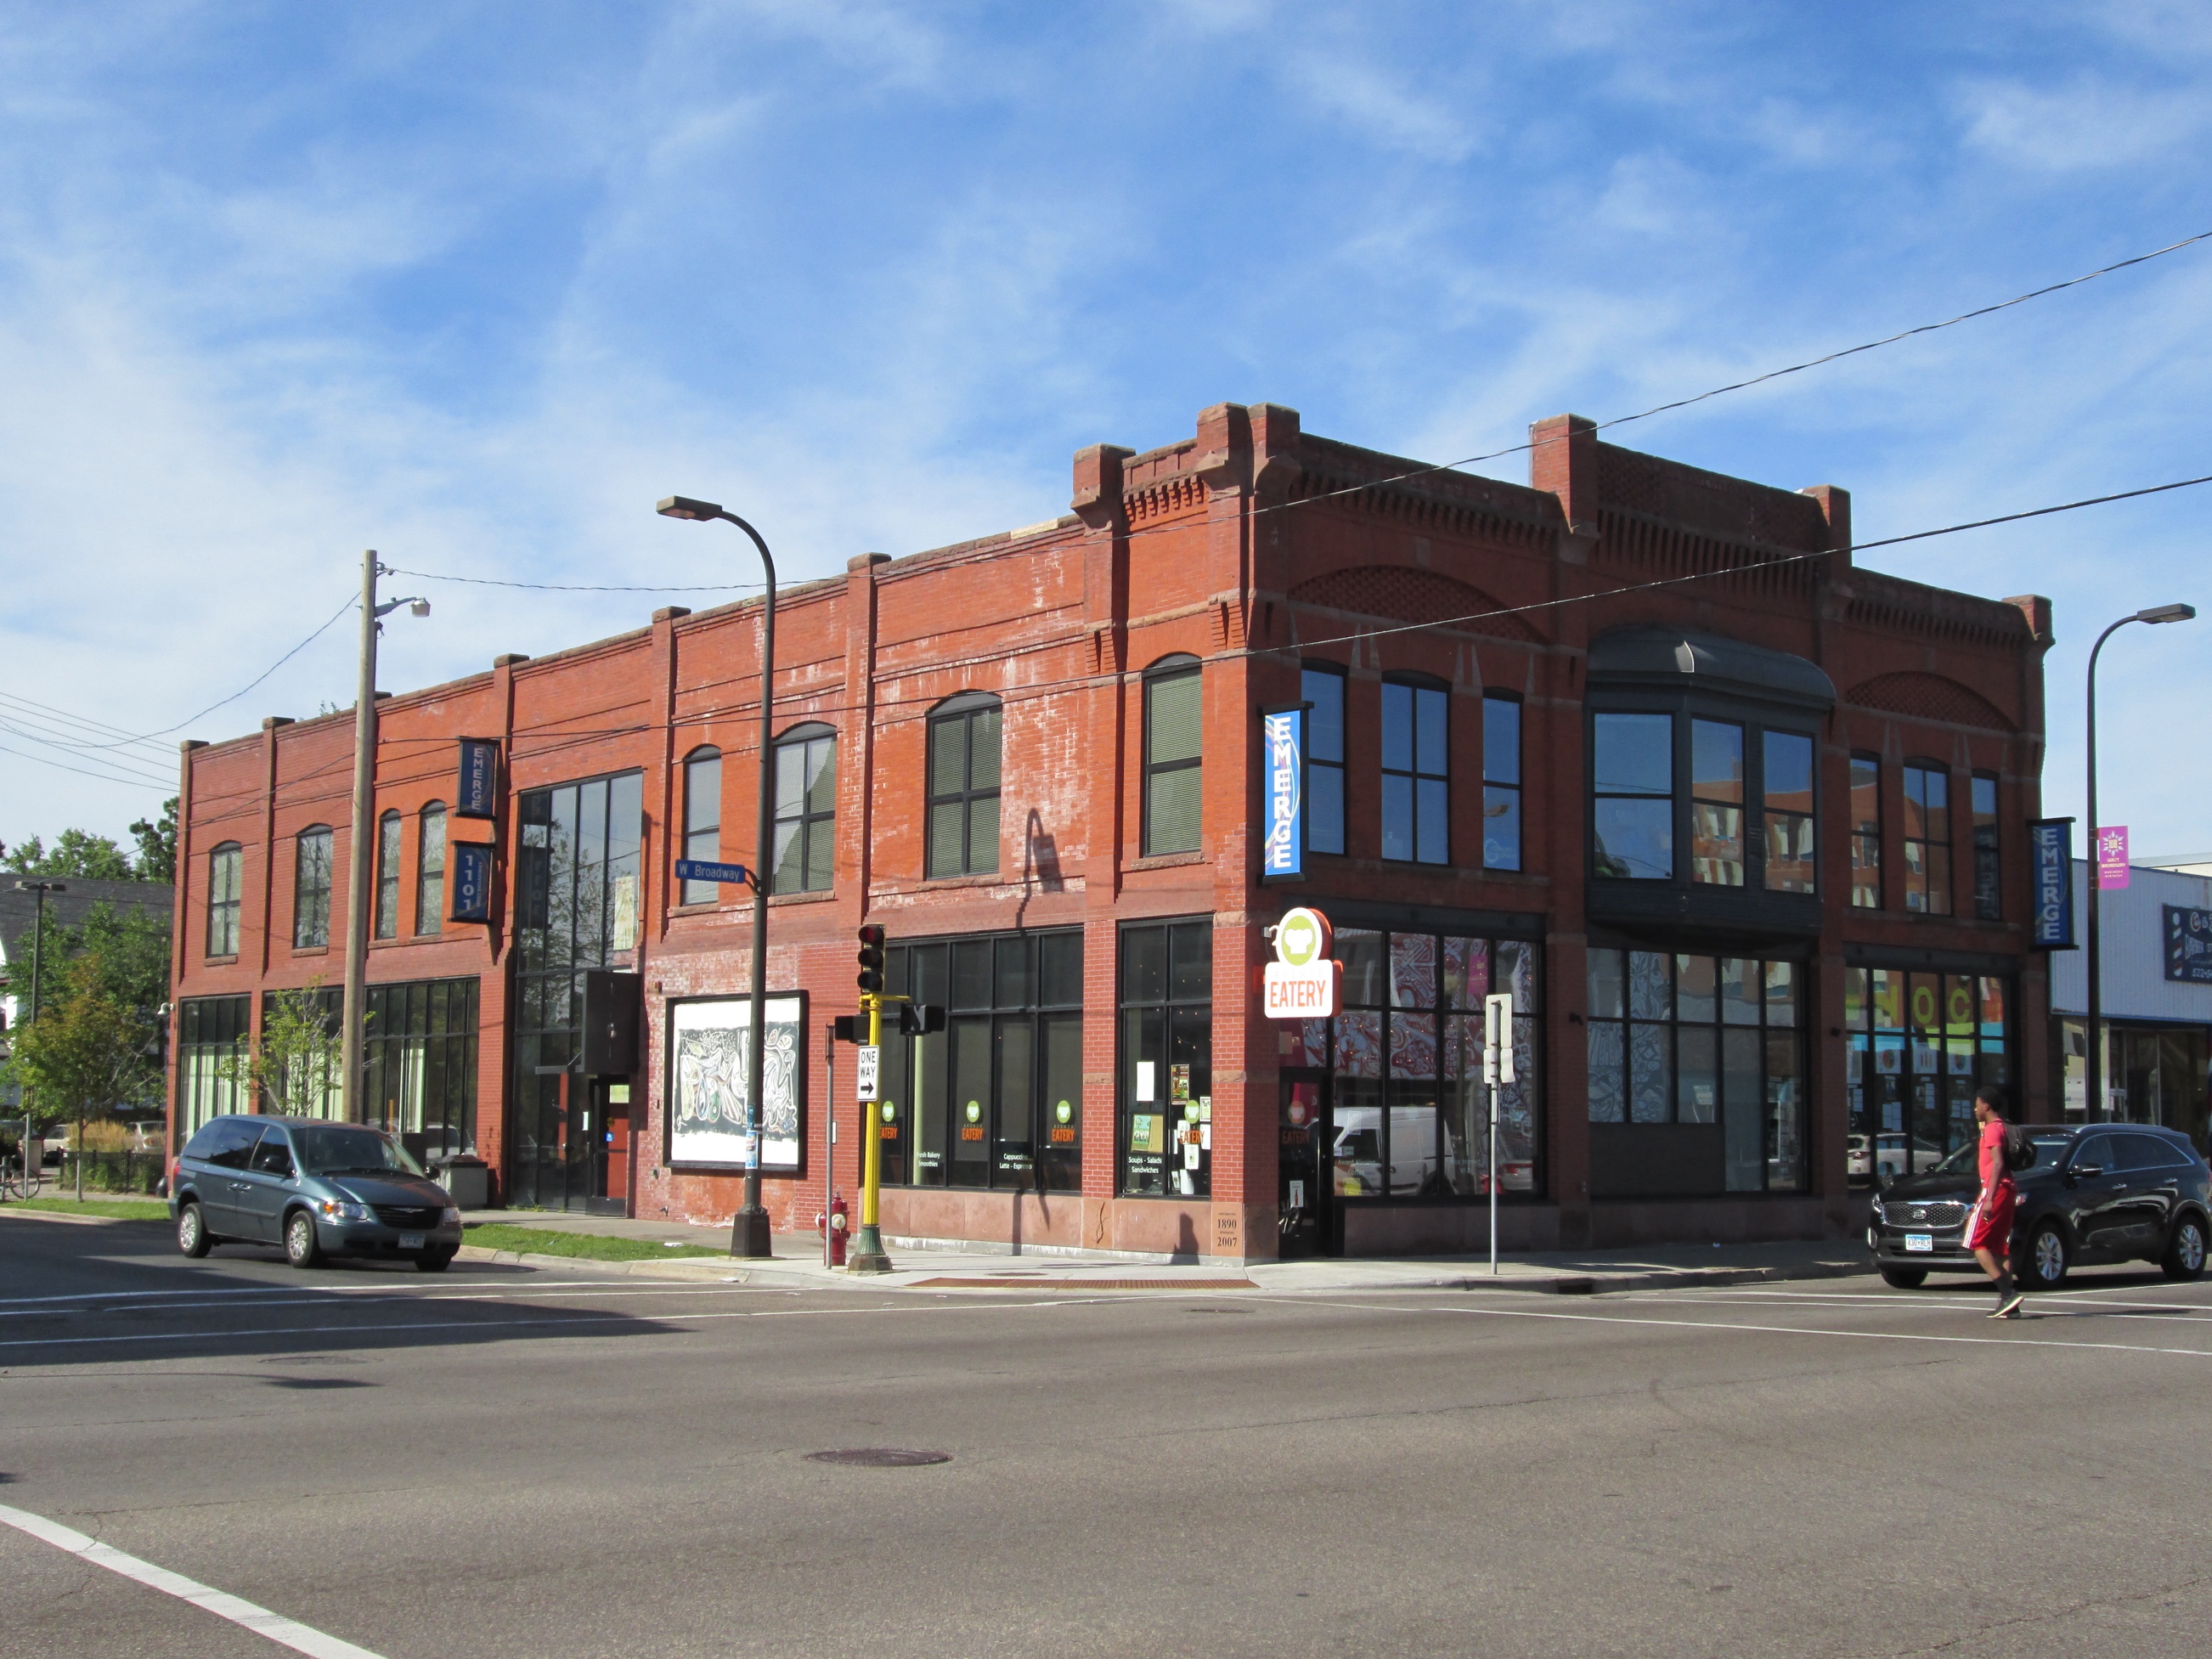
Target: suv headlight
{"x": 449, "y": 1217}
{"x": 344, "y": 1209}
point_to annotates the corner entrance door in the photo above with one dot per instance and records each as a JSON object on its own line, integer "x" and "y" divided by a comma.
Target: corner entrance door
{"x": 1307, "y": 1216}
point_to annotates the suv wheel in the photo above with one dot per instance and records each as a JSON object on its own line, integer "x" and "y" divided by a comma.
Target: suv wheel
{"x": 1905, "y": 1279}
{"x": 2048, "y": 1257}
{"x": 192, "y": 1237}
{"x": 301, "y": 1247}
{"x": 2185, "y": 1256}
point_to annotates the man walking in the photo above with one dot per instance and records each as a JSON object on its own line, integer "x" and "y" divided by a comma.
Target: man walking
{"x": 1989, "y": 1230}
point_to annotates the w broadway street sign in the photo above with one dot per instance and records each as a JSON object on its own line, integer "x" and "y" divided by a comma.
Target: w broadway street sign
{"x": 1302, "y": 981}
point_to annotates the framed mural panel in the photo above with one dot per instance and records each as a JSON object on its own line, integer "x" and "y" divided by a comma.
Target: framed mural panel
{"x": 704, "y": 1125}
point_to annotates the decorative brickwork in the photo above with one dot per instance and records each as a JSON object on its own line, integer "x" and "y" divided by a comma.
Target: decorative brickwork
{"x": 1928, "y": 697}
{"x": 1400, "y": 593}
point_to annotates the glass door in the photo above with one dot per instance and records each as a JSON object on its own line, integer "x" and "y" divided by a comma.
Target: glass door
{"x": 1301, "y": 1182}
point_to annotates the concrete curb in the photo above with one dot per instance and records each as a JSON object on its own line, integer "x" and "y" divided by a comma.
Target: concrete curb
{"x": 693, "y": 1270}
{"x": 68, "y": 1220}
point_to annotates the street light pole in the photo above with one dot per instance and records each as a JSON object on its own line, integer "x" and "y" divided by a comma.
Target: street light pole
{"x": 360, "y": 872}
{"x": 2092, "y": 1101}
{"x": 749, "y": 1231}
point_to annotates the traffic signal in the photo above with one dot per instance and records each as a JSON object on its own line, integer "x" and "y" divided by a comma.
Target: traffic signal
{"x": 871, "y": 959}
{"x": 920, "y": 1019}
{"x": 848, "y": 1028}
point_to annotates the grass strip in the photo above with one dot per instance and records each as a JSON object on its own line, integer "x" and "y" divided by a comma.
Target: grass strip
{"x": 118, "y": 1209}
{"x": 594, "y": 1247}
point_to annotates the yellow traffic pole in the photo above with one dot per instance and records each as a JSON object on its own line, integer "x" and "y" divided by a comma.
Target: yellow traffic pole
{"x": 868, "y": 1255}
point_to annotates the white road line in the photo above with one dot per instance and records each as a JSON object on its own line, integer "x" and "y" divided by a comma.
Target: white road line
{"x": 403, "y": 1288}
{"x": 286, "y": 1632}
{"x": 397, "y": 1298}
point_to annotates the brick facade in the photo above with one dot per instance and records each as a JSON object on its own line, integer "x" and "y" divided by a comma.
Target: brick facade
{"x": 1251, "y": 546}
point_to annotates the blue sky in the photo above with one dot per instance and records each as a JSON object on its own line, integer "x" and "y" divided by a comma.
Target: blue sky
{"x": 475, "y": 284}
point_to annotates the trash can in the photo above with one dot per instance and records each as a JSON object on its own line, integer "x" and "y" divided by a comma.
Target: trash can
{"x": 466, "y": 1178}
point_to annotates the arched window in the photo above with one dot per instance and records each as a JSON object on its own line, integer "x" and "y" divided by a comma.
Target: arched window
{"x": 702, "y": 819}
{"x": 1174, "y": 723}
{"x": 963, "y": 785}
{"x": 311, "y": 888}
{"x": 430, "y": 870}
{"x": 225, "y": 867}
{"x": 806, "y": 809}
{"x": 387, "y": 876}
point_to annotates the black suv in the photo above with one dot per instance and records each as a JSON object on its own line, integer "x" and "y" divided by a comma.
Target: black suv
{"x": 2111, "y": 1192}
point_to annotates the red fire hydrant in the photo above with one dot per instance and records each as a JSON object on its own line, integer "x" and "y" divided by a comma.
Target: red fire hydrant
{"x": 837, "y": 1232}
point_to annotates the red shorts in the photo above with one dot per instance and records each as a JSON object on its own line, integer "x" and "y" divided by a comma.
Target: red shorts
{"x": 1991, "y": 1228}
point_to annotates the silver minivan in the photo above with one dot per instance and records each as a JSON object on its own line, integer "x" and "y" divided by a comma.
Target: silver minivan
{"x": 319, "y": 1189}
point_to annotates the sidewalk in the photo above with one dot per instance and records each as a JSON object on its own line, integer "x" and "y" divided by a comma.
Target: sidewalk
{"x": 798, "y": 1265}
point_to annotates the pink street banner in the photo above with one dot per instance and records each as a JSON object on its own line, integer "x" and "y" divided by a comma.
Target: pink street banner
{"x": 2111, "y": 855}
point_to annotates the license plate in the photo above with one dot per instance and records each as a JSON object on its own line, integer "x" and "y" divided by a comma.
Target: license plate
{"x": 414, "y": 1242}
{"x": 1916, "y": 1241}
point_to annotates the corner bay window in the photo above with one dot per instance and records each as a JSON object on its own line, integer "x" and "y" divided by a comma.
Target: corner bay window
{"x": 1715, "y": 1043}
{"x": 1632, "y": 791}
{"x": 963, "y": 785}
{"x": 996, "y": 1098}
{"x": 1787, "y": 788}
{"x": 806, "y": 809}
{"x": 1717, "y": 802}
{"x": 311, "y": 889}
{"x": 1927, "y": 839}
{"x": 1416, "y": 773}
{"x": 1322, "y": 688}
{"x": 1916, "y": 1046}
{"x": 1733, "y": 766}
{"x": 1165, "y": 1072}
{"x": 1174, "y": 732}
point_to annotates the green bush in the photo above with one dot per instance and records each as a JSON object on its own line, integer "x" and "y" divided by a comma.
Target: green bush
{"x": 114, "y": 1172}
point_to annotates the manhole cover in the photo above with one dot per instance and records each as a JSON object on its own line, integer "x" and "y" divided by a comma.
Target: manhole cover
{"x": 880, "y": 1458}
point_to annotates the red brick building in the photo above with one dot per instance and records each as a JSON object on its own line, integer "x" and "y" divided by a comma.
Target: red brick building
{"x": 1741, "y": 825}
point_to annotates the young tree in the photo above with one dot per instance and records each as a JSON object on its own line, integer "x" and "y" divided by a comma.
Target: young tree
{"x": 77, "y": 853}
{"x": 84, "y": 1056}
{"x": 131, "y": 947}
{"x": 157, "y": 845}
{"x": 294, "y": 1067}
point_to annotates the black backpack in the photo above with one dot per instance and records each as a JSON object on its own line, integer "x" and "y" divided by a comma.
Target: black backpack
{"x": 2018, "y": 1149}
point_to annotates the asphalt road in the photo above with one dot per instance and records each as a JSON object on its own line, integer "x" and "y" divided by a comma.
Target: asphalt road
{"x": 502, "y": 1462}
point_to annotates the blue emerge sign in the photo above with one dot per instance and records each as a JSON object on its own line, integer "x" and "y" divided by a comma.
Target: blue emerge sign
{"x": 477, "y": 792}
{"x": 1283, "y": 735}
{"x": 2188, "y": 944}
{"x": 2051, "y": 841}
{"x": 705, "y": 870}
{"x": 470, "y": 866}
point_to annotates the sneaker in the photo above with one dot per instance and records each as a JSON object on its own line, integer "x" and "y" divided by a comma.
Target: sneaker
{"x": 2010, "y": 1307}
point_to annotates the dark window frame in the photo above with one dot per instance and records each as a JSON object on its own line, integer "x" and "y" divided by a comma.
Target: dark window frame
{"x": 1418, "y": 782}
{"x": 1754, "y": 722}
{"x": 390, "y": 852}
{"x": 1865, "y": 842}
{"x": 1705, "y": 826}
{"x": 702, "y": 840}
{"x": 226, "y": 891}
{"x": 430, "y": 869}
{"x": 1919, "y": 880}
{"x": 1191, "y": 1014}
{"x": 310, "y": 899}
{"x": 1941, "y": 1053}
{"x": 803, "y": 740}
{"x": 1989, "y": 868}
{"x": 1788, "y": 818}
{"x": 1335, "y": 679}
{"x": 1502, "y": 796}
{"x": 968, "y": 710}
{"x": 1171, "y": 670}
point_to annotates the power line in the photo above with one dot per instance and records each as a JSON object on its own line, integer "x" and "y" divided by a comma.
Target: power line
{"x": 104, "y": 777}
{"x": 578, "y": 587}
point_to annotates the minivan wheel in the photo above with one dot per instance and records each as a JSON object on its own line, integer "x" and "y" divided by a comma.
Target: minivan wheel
{"x": 2048, "y": 1258}
{"x": 1905, "y": 1279}
{"x": 2185, "y": 1256}
{"x": 301, "y": 1247}
{"x": 192, "y": 1237}
{"x": 433, "y": 1261}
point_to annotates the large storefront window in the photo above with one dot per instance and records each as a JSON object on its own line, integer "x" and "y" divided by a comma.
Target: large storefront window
{"x": 576, "y": 907}
{"x": 1165, "y": 1074}
{"x": 2159, "y": 1074}
{"x": 421, "y": 1056}
{"x": 211, "y": 1035}
{"x": 1716, "y": 1043}
{"x": 302, "y": 1038}
{"x": 1410, "y": 1117}
{"x": 1918, "y": 1045}
{"x": 996, "y": 1098}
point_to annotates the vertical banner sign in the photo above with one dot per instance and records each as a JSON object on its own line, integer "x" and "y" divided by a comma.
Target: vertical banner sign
{"x": 476, "y": 793}
{"x": 1283, "y": 856}
{"x": 469, "y": 864}
{"x": 2112, "y": 856}
{"x": 2188, "y": 944}
{"x": 2051, "y": 842}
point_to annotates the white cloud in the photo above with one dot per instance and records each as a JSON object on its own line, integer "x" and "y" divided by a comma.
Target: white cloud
{"x": 2090, "y": 124}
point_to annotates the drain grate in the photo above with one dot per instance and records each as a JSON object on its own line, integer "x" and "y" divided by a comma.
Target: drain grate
{"x": 880, "y": 1458}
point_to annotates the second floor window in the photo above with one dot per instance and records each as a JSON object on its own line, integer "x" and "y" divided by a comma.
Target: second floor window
{"x": 1501, "y": 783}
{"x": 1416, "y": 774}
{"x": 963, "y": 787}
{"x": 387, "y": 876}
{"x": 311, "y": 889}
{"x": 1786, "y": 786}
{"x": 806, "y": 809}
{"x": 225, "y": 871}
{"x": 1323, "y": 688}
{"x": 1717, "y": 802}
{"x": 1866, "y": 832}
{"x": 1927, "y": 839}
{"x": 1173, "y": 775}
{"x": 1988, "y": 891}
{"x": 430, "y": 872}
{"x": 1632, "y": 787}
{"x": 703, "y": 820}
